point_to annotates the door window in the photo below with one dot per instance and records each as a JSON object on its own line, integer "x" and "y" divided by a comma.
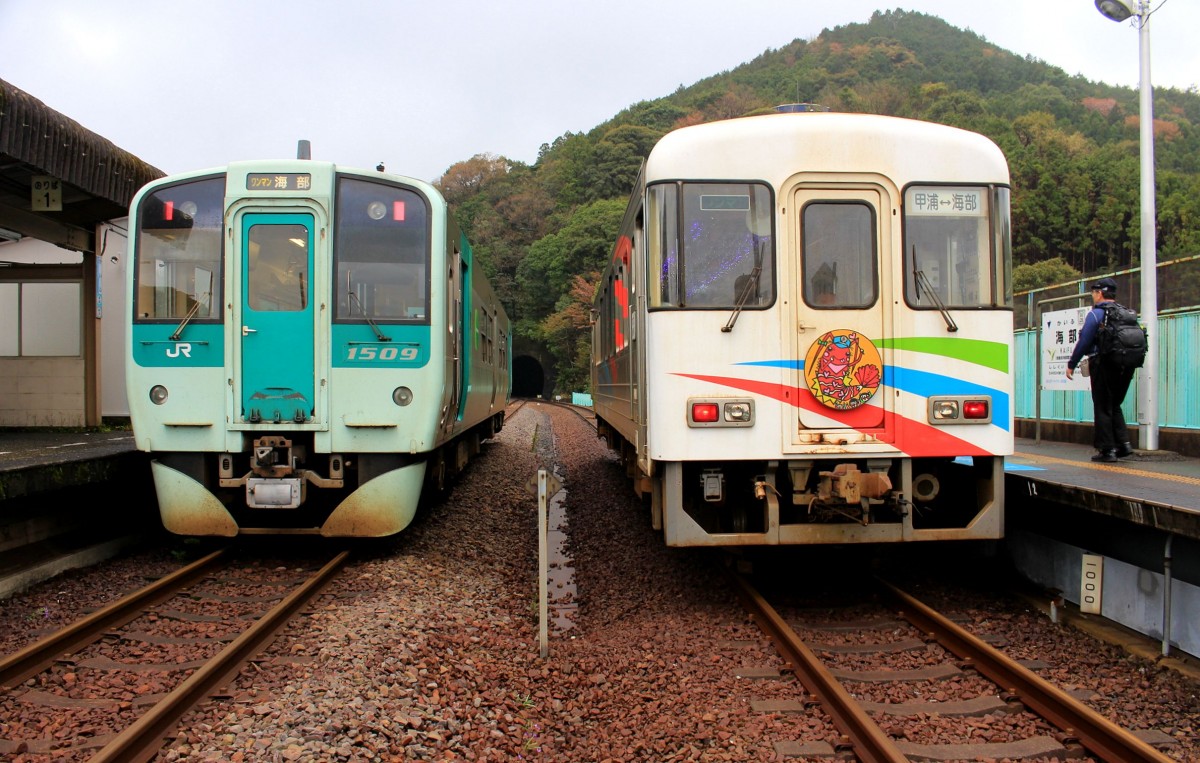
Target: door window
{"x": 838, "y": 255}
{"x": 278, "y": 268}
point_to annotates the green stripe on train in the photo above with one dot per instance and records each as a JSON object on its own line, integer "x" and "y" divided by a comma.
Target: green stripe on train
{"x": 978, "y": 351}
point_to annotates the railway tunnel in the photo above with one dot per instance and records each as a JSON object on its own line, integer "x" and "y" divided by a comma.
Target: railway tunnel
{"x": 529, "y": 377}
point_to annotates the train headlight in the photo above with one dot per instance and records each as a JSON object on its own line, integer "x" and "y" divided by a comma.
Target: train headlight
{"x": 402, "y": 396}
{"x": 738, "y": 411}
{"x": 158, "y": 394}
{"x": 376, "y": 210}
{"x": 944, "y": 409}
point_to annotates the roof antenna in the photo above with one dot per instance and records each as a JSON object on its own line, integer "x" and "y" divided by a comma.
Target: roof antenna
{"x": 304, "y": 150}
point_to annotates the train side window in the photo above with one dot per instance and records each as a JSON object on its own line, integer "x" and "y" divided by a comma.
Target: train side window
{"x": 178, "y": 251}
{"x": 381, "y": 251}
{"x": 838, "y": 253}
{"x": 662, "y": 243}
{"x": 948, "y": 243}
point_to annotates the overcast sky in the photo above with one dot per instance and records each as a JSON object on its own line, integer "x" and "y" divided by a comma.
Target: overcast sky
{"x": 420, "y": 86}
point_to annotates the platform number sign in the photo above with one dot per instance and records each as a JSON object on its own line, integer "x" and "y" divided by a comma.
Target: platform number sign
{"x": 47, "y": 194}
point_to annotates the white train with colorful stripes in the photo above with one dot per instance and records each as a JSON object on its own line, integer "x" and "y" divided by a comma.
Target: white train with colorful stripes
{"x": 804, "y": 333}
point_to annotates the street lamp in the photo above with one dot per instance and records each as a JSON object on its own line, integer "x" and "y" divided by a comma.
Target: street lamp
{"x": 1119, "y": 10}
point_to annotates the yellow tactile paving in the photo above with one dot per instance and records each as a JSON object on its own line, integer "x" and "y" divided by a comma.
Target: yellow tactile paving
{"x": 1111, "y": 468}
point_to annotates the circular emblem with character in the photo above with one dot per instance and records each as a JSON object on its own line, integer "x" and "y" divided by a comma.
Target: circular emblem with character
{"x": 843, "y": 369}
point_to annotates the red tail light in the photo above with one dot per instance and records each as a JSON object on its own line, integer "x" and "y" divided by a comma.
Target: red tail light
{"x": 705, "y": 412}
{"x": 975, "y": 409}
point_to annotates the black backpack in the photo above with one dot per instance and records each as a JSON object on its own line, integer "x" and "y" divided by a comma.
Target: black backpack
{"x": 1121, "y": 340}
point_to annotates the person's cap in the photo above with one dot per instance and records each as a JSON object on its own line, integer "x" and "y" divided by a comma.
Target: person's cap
{"x": 1105, "y": 284}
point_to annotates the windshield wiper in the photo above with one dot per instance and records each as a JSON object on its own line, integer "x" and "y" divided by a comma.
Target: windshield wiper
{"x": 924, "y": 284}
{"x": 357, "y": 301}
{"x": 751, "y": 287}
{"x": 191, "y": 313}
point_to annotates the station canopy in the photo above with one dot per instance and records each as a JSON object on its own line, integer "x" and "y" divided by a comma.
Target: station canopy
{"x": 58, "y": 181}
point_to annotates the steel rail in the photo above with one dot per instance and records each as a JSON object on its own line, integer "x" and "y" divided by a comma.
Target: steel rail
{"x": 36, "y": 657}
{"x": 578, "y": 410}
{"x": 869, "y": 742}
{"x": 1100, "y": 736}
{"x": 142, "y": 740}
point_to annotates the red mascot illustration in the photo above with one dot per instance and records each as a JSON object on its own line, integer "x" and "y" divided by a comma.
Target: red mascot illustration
{"x": 843, "y": 370}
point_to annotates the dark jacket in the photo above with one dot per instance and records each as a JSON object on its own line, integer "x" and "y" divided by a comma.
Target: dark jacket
{"x": 1088, "y": 335}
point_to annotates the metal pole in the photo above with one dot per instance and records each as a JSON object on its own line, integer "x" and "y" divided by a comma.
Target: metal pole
{"x": 1148, "y": 387}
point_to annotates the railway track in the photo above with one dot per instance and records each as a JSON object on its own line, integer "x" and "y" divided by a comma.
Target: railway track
{"x": 1065, "y": 728}
{"x": 584, "y": 413}
{"x": 113, "y": 685}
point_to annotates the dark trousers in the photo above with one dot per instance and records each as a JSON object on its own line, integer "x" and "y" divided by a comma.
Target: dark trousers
{"x": 1110, "y": 384}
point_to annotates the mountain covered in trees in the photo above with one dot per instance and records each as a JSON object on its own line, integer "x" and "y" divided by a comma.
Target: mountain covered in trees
{"x": 543, "y": 231}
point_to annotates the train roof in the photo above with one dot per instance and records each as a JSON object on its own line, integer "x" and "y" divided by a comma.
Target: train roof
{"x": 775, "y": 146}
{"x": 284, "y": 166}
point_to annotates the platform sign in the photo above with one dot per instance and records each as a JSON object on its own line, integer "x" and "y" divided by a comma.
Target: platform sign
{"x": 1060, "y": 332}
{"x": 47, "y": 194}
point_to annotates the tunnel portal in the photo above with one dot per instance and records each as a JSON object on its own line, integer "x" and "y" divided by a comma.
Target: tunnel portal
{"x": 529, "y": 377}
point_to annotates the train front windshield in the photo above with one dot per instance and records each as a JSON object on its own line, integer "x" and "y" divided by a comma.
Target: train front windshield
{"x": 381, "y": 251}
{"x": 179, "y": 248}
{"x": 711, "y": 245}
{"x": 955, "y": 246}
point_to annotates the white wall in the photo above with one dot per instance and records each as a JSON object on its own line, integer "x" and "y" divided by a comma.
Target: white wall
{"x": 51, "y": 391}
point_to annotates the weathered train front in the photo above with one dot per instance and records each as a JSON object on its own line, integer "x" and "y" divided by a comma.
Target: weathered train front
{"x": 817, "y": 350}
{"x": 285, "y": 367}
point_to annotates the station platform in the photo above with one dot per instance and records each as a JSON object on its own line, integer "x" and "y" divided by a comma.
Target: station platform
{"x": 1156, "y": 489}
{"x": 69, "y": 500}
{"x": 36, "y": 461}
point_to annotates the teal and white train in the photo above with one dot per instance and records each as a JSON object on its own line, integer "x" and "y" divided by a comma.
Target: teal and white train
{"x": 804, "y": 332}
{"x": 311, "y": 347}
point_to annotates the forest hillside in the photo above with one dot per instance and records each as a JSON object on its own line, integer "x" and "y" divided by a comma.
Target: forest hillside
{"x": 543, "y": 231}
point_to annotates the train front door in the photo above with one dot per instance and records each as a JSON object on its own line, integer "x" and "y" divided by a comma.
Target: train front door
{"x": 842, "y": 239}
{"x": 277, "y": 366}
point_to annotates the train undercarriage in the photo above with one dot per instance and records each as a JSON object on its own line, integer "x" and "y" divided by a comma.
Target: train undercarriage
{"x": 827, "y": 499}
{"x": 279, "y": 484}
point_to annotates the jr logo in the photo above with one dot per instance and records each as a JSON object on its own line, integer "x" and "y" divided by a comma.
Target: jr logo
{"x": 180, "y": 348}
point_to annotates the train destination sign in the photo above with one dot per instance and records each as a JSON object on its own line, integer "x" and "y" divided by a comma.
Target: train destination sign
{"x": 948, "y": 201}
{"x": 281, "y": 181}
{"x": 733, "y": 201}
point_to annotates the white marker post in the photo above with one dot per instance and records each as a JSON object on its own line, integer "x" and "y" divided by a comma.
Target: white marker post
{"x": 543, "y": 564}
{"x": 1091, "y": 584}
{"x": 545, "y": 485}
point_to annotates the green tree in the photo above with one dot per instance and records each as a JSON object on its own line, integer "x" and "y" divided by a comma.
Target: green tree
{"x": 1045, "y": 273}
{"x": 582, "y": 245}
{"x": 567, "y": 334}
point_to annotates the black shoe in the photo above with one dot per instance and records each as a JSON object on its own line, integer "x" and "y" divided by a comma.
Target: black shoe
{"x": 1124, "y": 451}
{"x": 1107, "y": 456}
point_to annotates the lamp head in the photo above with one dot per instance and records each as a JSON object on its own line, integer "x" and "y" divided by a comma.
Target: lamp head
{"x": 1117, "y": 10}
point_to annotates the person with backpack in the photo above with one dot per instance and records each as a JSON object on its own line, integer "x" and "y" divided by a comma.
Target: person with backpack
{"x": 1109, "y": 340}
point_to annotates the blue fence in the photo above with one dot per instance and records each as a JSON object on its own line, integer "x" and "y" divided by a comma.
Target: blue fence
{"x": 1178, "y": 392}
{"x": 1177, "y": 348}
